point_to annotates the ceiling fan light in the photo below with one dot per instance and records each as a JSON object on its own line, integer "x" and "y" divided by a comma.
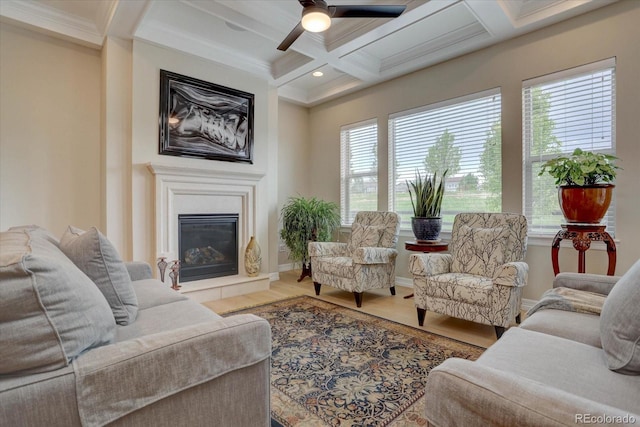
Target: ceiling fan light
{"x": 315, "y": 20}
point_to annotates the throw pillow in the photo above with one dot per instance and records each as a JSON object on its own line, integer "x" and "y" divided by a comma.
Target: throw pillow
{"x": 620, "y": 324}
{"x": 479, "y": 251}
{"x": 50, "y": 311}
{"x": 363, "y": 236}
{"x": 92, "y": 252}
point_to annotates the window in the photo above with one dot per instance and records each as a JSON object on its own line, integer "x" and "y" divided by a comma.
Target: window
{"x": 358, "y": 169}
{"x": 462, "y": 135}
{"x": 561, "y": 112}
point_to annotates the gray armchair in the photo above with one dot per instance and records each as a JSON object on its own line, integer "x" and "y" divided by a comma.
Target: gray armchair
{"x": 482, "y": 277}
{"x": 368, "y": 261}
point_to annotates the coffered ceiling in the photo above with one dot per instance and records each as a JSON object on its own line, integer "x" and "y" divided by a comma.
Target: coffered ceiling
{"x": 352, "y": 54}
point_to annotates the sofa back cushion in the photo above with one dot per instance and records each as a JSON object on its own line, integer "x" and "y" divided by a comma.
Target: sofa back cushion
{"x": 620, "y": 324}
{"x": 94, "y": 254}
{"x": 49, "y": 310}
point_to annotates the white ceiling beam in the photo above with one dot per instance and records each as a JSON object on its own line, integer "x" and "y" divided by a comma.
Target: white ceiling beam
{"x": 164, "y": 35}
{"x": 126, "y": 17}
{"x": 495, "y": 18}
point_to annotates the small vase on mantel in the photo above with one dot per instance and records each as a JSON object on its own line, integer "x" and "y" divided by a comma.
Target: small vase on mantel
{"x": 252, "y": 258}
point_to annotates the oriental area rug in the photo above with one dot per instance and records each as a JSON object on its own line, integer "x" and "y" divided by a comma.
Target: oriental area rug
{"x": 334, "y": 366}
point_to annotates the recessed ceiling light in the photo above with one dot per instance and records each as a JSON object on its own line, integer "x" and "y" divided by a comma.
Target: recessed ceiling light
{"x": 317, "y": 74}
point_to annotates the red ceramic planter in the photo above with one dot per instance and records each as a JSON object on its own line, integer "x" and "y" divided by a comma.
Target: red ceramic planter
{"x": 587, "y": 204}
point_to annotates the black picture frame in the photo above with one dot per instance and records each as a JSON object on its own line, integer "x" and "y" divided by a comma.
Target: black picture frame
{"x": 204, "y": 120}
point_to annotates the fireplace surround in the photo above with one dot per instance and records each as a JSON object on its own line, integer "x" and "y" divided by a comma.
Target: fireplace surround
{"x": 181, "y": 190}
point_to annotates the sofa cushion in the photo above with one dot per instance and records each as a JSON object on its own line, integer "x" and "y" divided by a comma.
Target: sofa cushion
{"x": 92, "y": 252}
{"x": 50, "y": 311}
{"x": 573, "y": 367}
{"x": 620, "y": 324}
{"x": 480, "y": 251}
{"x": 152, "y": 293}
{"x": 580, "y": 327}
{"x": 165, "y": 317}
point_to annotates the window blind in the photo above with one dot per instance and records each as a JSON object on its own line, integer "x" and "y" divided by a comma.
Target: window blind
{"x": 358, "y": 169}
{"x": 561, "y": 112}
{"x": 462, "y": 135}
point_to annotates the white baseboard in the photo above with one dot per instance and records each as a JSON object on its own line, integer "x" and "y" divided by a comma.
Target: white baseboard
{"x": 404, "y": 281}
{"x": 274, "y": 277}
{"x": 286, "y": 267}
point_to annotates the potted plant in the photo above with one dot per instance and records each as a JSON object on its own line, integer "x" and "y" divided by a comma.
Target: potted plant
{"x": 584, "y": 182}
{"x": 304, "y": 220}
{"x": 426, "y": 200}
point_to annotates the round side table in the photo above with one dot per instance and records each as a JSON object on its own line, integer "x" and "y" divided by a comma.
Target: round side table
{"x": 415, "y": 246}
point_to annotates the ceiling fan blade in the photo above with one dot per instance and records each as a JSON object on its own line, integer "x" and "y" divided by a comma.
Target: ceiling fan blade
{"x": 293, "y": 36}
{"x": 366, "y": 11}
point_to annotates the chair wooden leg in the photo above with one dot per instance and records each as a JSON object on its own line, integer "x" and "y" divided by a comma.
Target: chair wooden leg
{"x": 393, "y": 290}
{"x": 358, "y": 296}
{"x": 518, "y": 319}
{"x": 317, "y": 285}
{"x": 421, "y": 313}
{"x": 499, "y": 330}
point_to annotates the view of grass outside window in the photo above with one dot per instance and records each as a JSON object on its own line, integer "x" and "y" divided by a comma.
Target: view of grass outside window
{"x": 358, "y": 169}
{"x": 461, "y": 135}
{"x": 561, "y": 112}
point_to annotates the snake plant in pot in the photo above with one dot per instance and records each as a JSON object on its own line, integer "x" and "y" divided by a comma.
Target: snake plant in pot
{"x": 584, "y": 182}
{"x": 426, "y": 200}
{"x": 305, "y": 220}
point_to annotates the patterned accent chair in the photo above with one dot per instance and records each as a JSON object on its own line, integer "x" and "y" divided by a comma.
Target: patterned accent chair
{"x": 368, "y": 261}
{"x": 482, "y": 277}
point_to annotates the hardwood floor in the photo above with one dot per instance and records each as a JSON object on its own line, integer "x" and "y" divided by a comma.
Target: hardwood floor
{"x": 378, "y": 302}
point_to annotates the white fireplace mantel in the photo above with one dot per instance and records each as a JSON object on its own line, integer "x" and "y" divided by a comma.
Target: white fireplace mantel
{"x": 182, "y": 171}
{"x": 188, "y": 190}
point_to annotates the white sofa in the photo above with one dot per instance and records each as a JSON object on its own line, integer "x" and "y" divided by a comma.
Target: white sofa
{"x": 559, "y": 367}
{"x": 169, "y": 361}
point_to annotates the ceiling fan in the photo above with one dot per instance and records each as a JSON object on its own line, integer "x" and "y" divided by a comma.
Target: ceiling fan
{"x": 316, "y": 17}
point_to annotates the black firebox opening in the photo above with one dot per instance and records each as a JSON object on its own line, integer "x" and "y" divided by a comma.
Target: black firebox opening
{"x": 208, "y": 245}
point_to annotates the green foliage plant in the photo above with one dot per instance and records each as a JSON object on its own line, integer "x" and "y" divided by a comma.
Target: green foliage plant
{"x": 581, "y": 168}
{"x": 426, "y": 195}
{"x": 304, "y": 220}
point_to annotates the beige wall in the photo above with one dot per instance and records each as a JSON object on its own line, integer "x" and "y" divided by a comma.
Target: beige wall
{"x": 52, "y": 171}
{"x": 612, "y": 31}
{"x": 49, "y": 132}
{"x": 116, "y": 143}
{"x": 147, "y": 62}
{"x": 293, "y": 158}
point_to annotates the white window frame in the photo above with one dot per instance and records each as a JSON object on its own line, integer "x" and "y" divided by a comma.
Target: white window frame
{"x": 494, "y": 92}
{"x": 345, "y": 173}
{"x": 536, "y": 228}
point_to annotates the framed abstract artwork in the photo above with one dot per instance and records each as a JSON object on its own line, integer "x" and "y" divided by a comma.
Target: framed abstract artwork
{"x": 204, "y": 120}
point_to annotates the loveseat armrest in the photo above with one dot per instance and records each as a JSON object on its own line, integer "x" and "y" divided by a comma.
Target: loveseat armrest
{"x": 597, "y": 283}
{"x": 115, "y": 380}
{"x": 512, "y": 274}
{"x": 373, "y": 255}
{"x": 430, "y": 264}
{"x": 467, "y": 393}
{"x": 139, "y": 270}
{"x": 328, "y": 249}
